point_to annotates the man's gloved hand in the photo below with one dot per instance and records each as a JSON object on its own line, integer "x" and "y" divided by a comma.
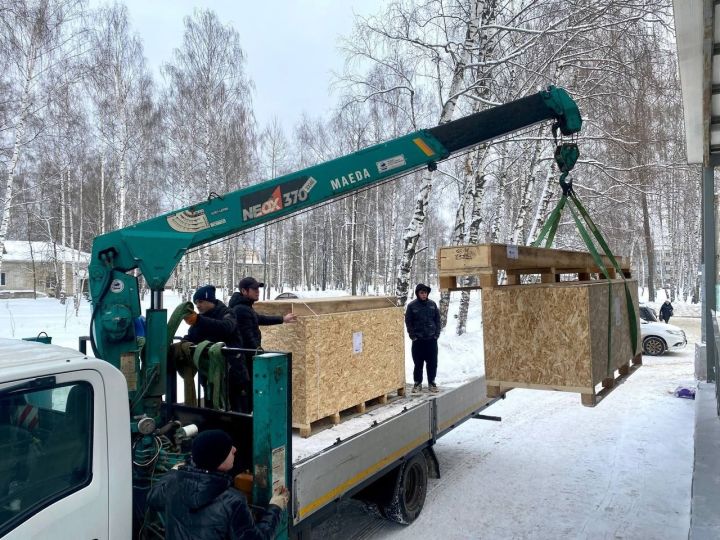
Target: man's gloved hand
{"x": 280, "y": 497}
{"x": 191, "y": 318}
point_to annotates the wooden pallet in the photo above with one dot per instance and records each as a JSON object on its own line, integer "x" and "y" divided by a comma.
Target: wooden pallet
{"x": 487, "y": 260}
{"x": 336, "y": 418}
{"x": 588, "y": 396}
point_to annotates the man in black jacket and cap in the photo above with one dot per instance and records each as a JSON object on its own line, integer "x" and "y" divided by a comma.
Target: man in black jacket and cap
{"x": 422, "y": 319}
{"x": 200, "y": 502}
{"x": 248, "y": 320}
{"x": 248, "y": 326}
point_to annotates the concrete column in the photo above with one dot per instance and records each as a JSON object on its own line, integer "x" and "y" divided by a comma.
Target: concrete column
{"x": 709, "y": 267}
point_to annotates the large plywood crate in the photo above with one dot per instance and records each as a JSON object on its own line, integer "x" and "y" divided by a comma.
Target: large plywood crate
{"x": 346, "y": 351}
{"x": 555, "y": 336}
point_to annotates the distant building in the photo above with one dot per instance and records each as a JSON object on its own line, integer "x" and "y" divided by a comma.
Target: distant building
{"x": 247, "y": 262}
{"x": 36, "y": 266}
{"x": 663, "y": 266}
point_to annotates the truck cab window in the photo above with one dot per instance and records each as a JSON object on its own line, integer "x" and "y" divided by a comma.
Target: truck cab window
{"x": 45, "y": 448}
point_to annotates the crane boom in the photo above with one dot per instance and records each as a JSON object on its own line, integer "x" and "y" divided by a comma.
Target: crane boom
{"x": 156, "y": 246}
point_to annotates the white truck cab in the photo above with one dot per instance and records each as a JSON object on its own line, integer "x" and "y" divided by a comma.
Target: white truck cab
{"x": 65, "y": 465}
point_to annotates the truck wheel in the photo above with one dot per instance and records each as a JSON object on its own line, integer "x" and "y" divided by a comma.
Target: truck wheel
{"x": 409, "y": 492}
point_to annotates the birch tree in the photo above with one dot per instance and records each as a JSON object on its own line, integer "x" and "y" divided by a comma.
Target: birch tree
{"x": 208, "y": 89}
{"x": 37, "y": 37}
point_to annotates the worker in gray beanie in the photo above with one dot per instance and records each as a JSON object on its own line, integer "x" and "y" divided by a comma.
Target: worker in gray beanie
{"x": 200, "y": 502}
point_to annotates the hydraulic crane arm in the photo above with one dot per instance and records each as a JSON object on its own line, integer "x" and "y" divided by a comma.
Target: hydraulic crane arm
{"x": 156, "y": 246}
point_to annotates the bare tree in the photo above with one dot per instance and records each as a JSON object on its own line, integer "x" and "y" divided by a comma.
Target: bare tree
{"x": 37, "y": 38}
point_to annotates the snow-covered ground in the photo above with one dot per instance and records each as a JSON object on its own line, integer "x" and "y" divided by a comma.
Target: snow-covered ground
{"x": 551, "y": 469}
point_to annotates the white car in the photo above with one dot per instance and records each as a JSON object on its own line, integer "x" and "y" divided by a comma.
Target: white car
{"x": 658, "y": 337}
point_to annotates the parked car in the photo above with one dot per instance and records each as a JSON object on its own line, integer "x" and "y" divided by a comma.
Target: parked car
{"x": 658, "y": 337}
{"x": 286, "y": 296}
{"x": 647, "y": 313}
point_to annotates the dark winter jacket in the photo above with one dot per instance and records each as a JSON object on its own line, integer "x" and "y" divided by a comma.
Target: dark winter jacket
{"x": 202, "y": 505}
{"x": 666, "y": 311}
{"x": 218, "y": 324}
{"x": 422, "y": 319}
{"x": 249, "y": 320}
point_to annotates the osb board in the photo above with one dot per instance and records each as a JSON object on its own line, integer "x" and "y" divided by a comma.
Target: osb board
{"x": 328, "y": 376}
{"x": 555, "y": 335}
{"x": 479, "y": 258}
{"x": 320, "y": 306}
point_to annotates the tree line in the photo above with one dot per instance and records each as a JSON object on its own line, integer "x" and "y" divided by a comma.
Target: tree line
{"x": 91, "y": 140}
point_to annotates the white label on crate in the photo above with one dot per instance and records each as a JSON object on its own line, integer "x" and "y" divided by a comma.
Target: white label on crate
{"x": 357, "y": 342}
{"x": 512, "y": 252}
{"x": 618, "y": 311}
{"x": 278, "y": 467}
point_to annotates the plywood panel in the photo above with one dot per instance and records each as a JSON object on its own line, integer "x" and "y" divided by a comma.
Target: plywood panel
{"x": 555, "y": 335}
{"x": 328, "y": 376}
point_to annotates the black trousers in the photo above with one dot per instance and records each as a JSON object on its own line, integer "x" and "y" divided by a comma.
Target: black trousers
{"x": 424, "y": 351}
{"x": 239, "y": 386}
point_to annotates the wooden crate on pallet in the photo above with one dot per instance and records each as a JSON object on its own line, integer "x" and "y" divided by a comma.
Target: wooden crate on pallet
{"x": 555, "y": 337}
{"x": 347, "y": 351}
{"x": 486, "y": 260}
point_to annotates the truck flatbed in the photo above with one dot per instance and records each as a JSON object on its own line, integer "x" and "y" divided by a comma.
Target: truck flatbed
{"x": 339, "y": 461}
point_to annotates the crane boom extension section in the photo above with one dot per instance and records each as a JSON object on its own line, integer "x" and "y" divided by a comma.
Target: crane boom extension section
{"x": 156, "y": 246}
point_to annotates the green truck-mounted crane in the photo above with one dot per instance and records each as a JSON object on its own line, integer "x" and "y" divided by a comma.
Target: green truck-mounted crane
{"x": 377, "y": 462}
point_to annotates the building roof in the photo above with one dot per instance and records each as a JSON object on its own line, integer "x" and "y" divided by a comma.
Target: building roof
{"x": 19, "y": 251}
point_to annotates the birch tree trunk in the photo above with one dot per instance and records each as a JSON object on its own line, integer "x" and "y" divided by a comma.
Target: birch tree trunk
{"x": 500, "y": 205}
{"x": 417, "y": 223}
{"x": 410, "y": 239}
{"x": 103, "y": 225}
{"x": 352, "y": 267}
{"x": 63, "y": 238}
{"x": 74, "y": 253}
{"x": 19, "y": 136}
{"x": 527, "y": 191}
{"x": 376, "y": 275}
{"x": 473, "y": 238}
{"x": 459, "y": 228}
{"x": 542, "y": 210}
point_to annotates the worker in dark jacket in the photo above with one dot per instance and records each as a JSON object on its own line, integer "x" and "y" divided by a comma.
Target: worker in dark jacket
{"x": 214, "y": 321}
{"x": 422, "y": 319}
{"x": 248, "y": 320}
{"x": 248, "y": 324}
{"x": 666, "y": 311}
{"x": 200, "y": 502}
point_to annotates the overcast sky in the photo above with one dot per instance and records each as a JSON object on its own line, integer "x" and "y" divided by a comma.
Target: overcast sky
{"x": 291, "y": 46}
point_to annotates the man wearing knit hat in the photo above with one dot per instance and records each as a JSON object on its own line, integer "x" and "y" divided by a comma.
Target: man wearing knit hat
{"x": 200, "y": 502}
{"x": 214, "y": 321}
{"x": 422, "y": 319}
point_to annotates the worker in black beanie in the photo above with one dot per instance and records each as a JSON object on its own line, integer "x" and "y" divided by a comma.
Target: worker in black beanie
{"x": 200, "y": 502}
{"x": 214, "y": 321}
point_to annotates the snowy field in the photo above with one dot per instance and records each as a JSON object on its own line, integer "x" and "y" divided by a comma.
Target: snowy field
{"x": 552, "y": 469}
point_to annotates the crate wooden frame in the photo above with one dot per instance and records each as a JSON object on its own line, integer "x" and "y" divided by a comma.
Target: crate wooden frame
{"x": 486, "y": 261}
